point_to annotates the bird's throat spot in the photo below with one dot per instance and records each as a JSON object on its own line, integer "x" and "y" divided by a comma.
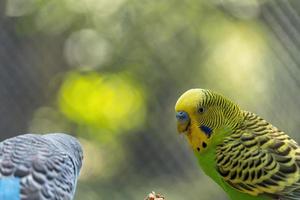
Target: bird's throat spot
{"x": 206, "y": 130}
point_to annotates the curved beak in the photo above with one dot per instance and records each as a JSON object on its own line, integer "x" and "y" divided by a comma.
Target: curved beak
{"x": 183, "y": 121}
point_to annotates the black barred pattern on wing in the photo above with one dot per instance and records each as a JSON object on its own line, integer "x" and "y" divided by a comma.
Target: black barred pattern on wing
{"x": 258, "y": 158}
{"x": 45, "y": 171}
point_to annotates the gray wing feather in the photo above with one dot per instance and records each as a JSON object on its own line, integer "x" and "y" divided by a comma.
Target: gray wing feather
{"x": 45, "y": 171}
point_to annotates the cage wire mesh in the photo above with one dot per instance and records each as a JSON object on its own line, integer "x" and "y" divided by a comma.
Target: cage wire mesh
{"x": 110, "y": 72}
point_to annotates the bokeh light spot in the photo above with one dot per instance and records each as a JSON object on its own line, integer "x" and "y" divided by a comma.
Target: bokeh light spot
{"x": 101, "y": 7}
{"x": 109, "y": 102}
{"x": 238, "y": 61}
{"x": 17, "y": 8}
{"x": 85, "y": 48}
{"x": 93, "y": 160}
{"x": 47, "y": 119}
{"x": 53, "y": 17}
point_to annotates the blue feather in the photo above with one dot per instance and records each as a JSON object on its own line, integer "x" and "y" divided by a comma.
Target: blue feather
{"x": 10, "y": 188}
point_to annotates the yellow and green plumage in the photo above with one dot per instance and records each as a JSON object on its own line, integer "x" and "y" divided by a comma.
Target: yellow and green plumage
{"x": 243, "y": 153}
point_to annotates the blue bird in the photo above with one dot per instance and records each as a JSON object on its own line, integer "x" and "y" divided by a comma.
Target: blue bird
{"x": 39, "y": 167}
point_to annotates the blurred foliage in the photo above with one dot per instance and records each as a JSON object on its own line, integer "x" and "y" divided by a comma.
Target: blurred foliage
{"x": 110, "y": 72}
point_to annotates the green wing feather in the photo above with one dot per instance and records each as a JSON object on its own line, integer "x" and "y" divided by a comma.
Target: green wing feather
{"x": 257, "y": 158}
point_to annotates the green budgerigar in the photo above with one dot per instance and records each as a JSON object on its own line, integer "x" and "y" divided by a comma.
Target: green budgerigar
{"x": 243, "y": 153}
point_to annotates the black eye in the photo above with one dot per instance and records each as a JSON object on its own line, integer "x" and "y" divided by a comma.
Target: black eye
{"x": 201, "y": 110}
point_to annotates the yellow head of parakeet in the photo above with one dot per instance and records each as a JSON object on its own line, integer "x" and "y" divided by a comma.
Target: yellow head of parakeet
{"x": 201, "y": 112}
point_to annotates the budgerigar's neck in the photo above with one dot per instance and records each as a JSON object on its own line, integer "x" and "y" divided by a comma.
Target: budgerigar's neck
{"x": 207, "y": 161}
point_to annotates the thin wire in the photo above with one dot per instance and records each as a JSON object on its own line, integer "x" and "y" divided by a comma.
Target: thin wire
{"x": 285, "y": 46}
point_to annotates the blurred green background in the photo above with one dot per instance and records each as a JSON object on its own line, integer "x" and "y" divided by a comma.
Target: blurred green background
{"x": 110, "y": 71}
